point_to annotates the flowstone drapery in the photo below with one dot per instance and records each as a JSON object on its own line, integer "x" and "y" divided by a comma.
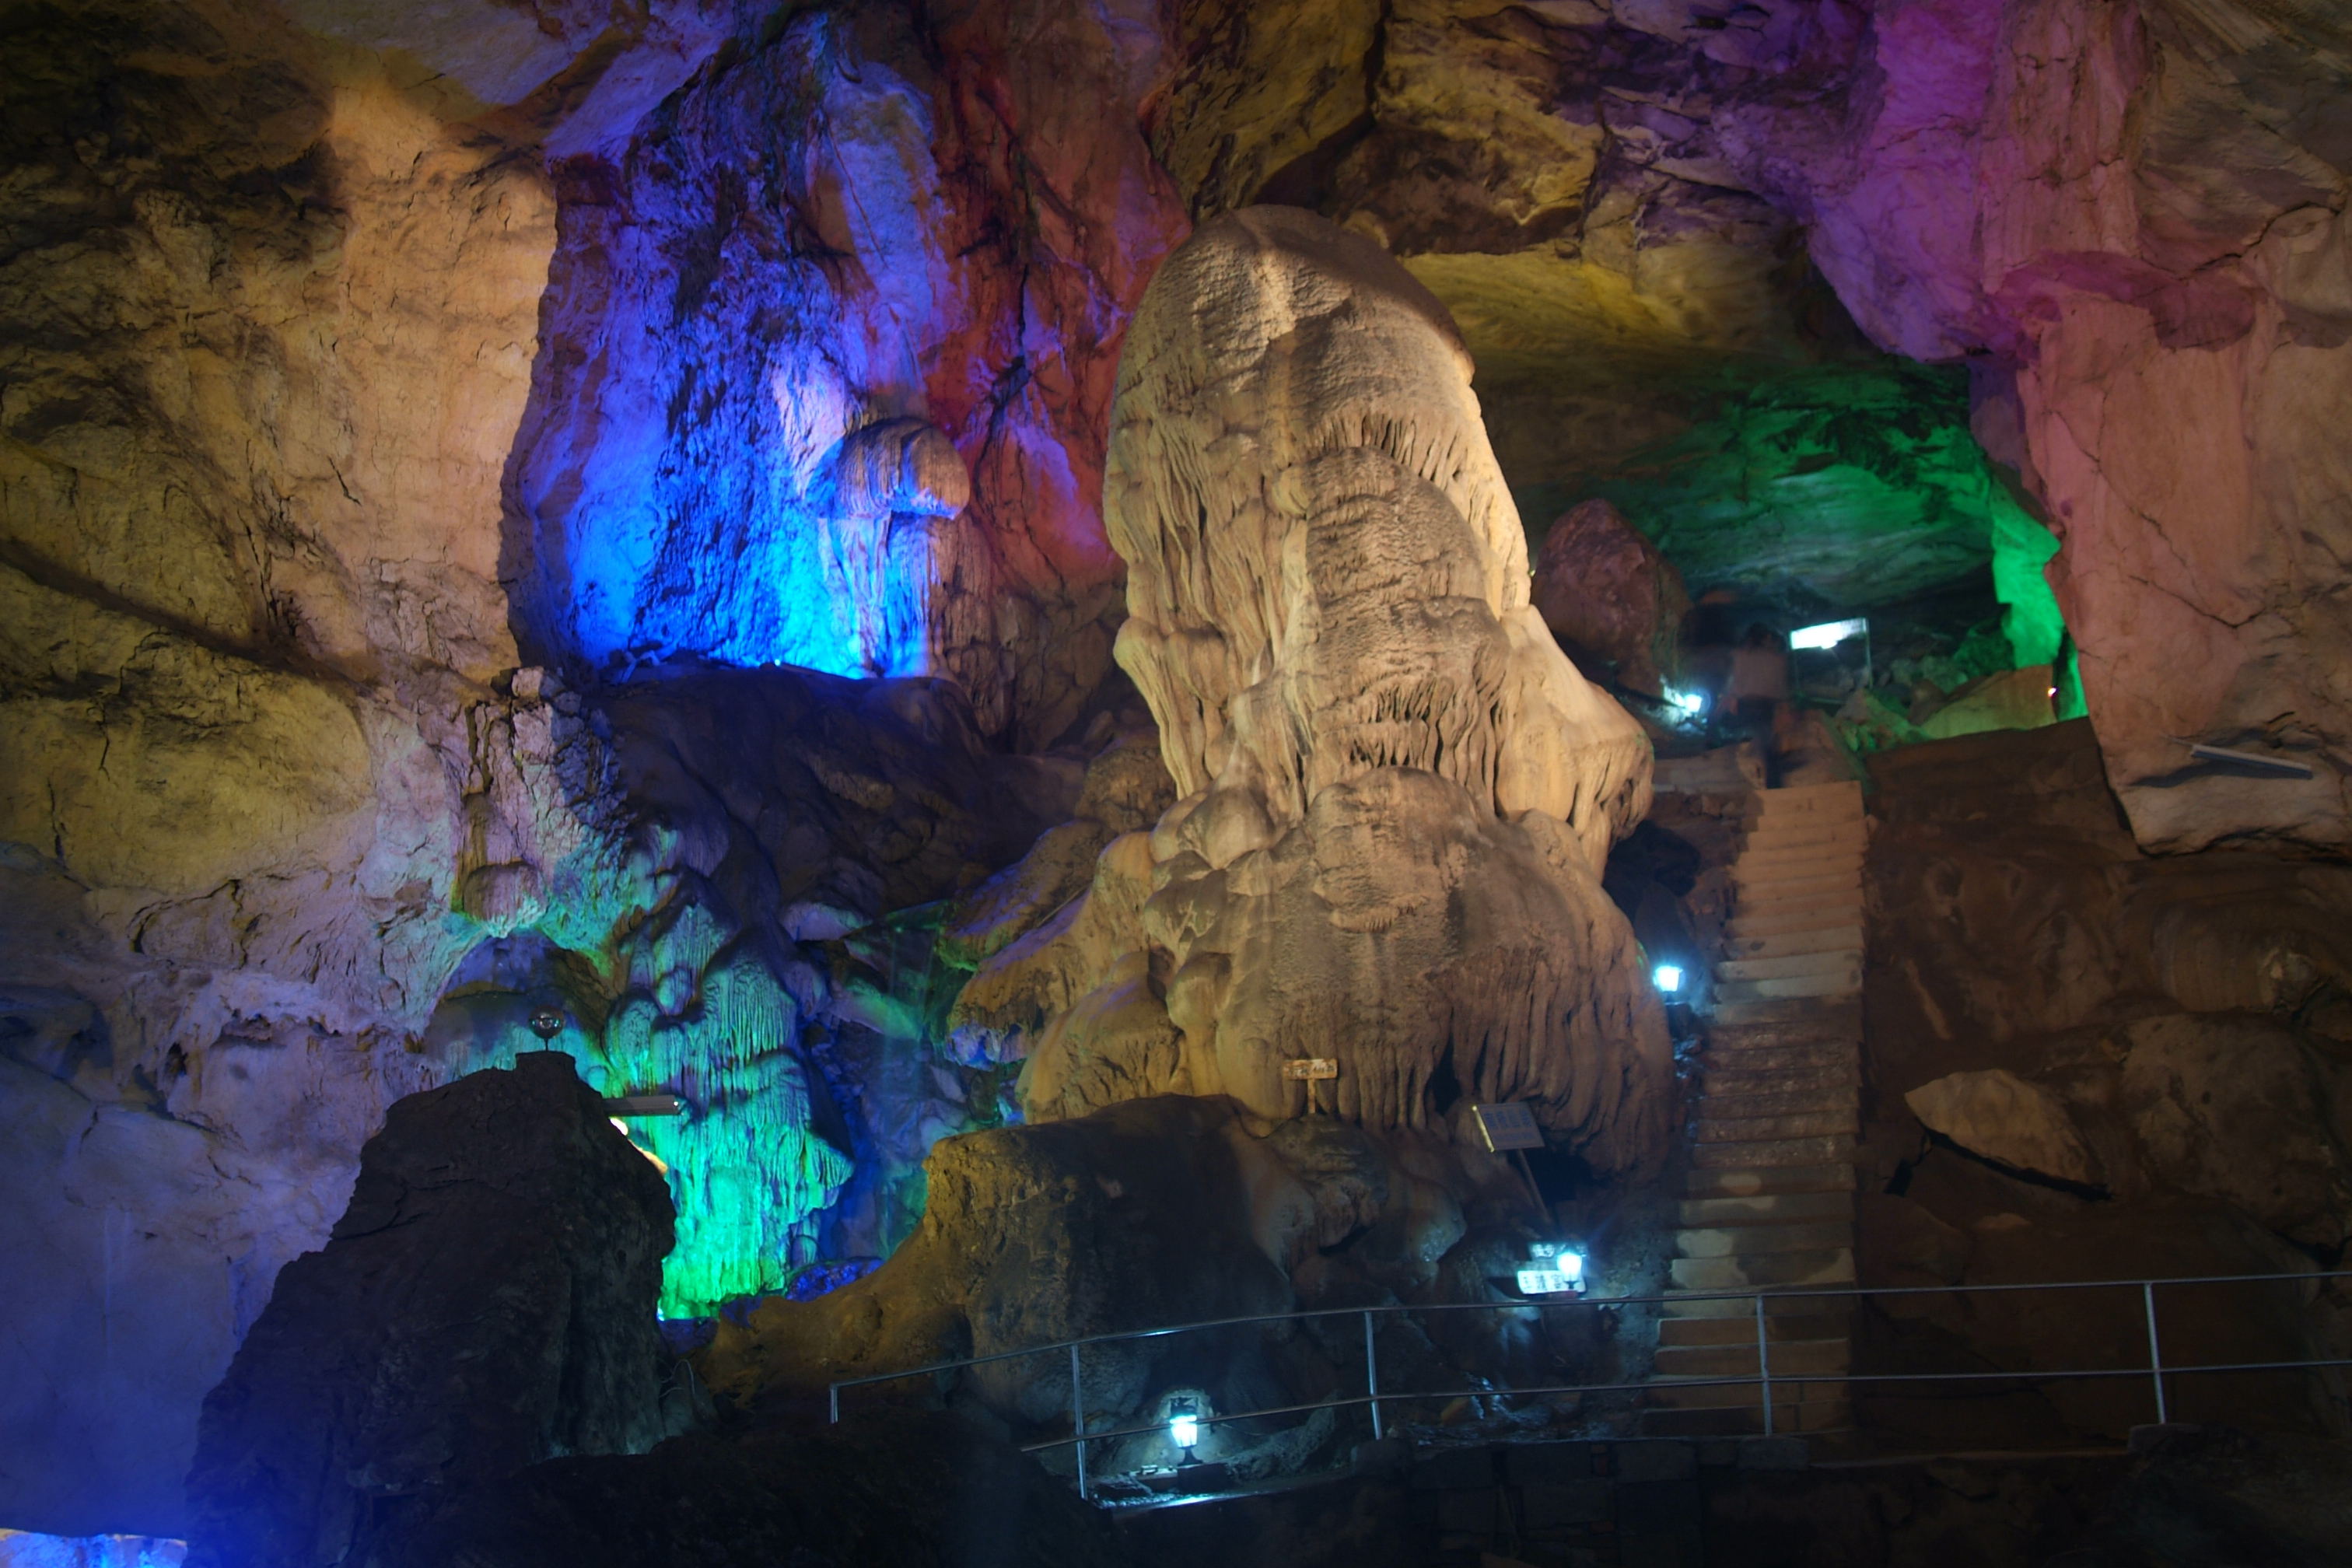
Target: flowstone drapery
{"x": 1396, "y": 793}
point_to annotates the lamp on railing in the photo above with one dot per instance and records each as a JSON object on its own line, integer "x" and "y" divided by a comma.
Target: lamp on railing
{"x": 1184, "y": 1426}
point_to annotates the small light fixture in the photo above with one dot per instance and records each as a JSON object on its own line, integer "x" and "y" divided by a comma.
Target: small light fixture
{"x": 1829, "y": 634}
{"x": 1184, "y": 1426}
{"x": 546, "y": 1023}
{"x": 1554, "y": 1268}
{"x": 1667, "y": 977}
{"x": 1687, "y": 703}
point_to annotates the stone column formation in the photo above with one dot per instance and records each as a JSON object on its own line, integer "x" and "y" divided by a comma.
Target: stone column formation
{"x": 1396, "y": 791}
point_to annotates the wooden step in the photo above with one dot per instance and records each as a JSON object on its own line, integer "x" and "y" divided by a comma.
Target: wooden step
{"x": 1841, "y": 913}
{"x": 1759, "y": 1241}
{"x": 1829, "y": 961}
{"x": 1777, "y": 1010}
{"x": 1722, "y": 1105}
{"x": 1774, "y": 837}
{"x": 1794, "y": 943}
{"x": 1797, "y": 1056}
{"x": 1835, "y": 895}
{"x": 1827, "y": 1176}
{"x": 1774, "y": 1271}
{"x": 1712, "y": 1128}
{"x": 1835, "y": 1322}
{"x": 1845, "y": 793}
{"x": 1833, "y": 1149}
{"x": 1769, "y": 1208}
{"x": 1793, "y": 1023}
{"x": 1776, "y": 817}
{"x": 1739, "y": 1307}
{"x": 1798, "y": 880}
{"x": 1824, "y": 848}
{"x": 1846, "y": 981}
{"x": 1787, "y": 1358}
{"x": 1789, "y": 1420}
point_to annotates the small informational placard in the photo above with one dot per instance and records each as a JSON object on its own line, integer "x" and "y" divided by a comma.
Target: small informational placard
{"x": 644, "y": 1105}
{"x": 1310, "y": 1070}
{"x": 1507, "y": 1126}
{"x": 1545, "y": 1282}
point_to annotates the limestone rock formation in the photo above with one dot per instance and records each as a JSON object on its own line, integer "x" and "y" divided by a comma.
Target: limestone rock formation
{"x": 1999, "y": 1115}
{"x": 485, "y": 1302}
{"x": 1396, "y": 793}
{"x": 1615, "y": 604}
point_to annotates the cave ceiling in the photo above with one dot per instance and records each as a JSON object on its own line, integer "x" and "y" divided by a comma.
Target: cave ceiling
{"x": 1579, "y": 184}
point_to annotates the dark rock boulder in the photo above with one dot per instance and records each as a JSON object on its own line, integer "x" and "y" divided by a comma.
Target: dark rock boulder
{"x": 1614, "y": 602}
{"x": 2217, "y": 1498}
{"x": 485, "y": 1302}
{"x": 903, "y": 1488}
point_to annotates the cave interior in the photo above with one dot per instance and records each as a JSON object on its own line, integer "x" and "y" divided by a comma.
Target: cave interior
{"x": 711, "y": 698}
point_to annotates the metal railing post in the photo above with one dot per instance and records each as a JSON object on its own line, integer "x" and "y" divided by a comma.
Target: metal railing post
{"x": 833, "y": 1403}
{"x": 1764, "y": 1363}
{"x": 1078, "y": 1419}
{"x": 2155, "y": 1354}
{"x": 1372, "y": 1375}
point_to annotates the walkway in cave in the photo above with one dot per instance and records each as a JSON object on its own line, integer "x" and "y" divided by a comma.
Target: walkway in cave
{"x": 1769, "y": 1196}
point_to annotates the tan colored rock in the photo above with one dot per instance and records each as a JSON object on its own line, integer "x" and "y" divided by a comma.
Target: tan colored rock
{"x": 1611, "y": 597}
{"x": 1397, "y": 791}
{"x": 2000, "y": 1116}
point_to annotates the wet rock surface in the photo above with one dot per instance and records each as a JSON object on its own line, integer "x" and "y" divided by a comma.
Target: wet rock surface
{"x": 485, "y": 1302}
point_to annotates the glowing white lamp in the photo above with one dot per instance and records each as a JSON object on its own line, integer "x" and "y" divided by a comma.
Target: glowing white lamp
{"x": 1553, "y": 1268}
{"x": 1184, "y": 1425}
{"x": 1829, "y": 634}
{"x": 1685, "y": 702}
{"x": 1667, "y": 977}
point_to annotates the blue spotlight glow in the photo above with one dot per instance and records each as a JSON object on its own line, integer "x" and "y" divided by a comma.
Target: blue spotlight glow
{"x": 1667, "y": 977}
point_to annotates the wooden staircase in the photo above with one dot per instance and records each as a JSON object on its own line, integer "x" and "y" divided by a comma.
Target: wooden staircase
{"x": 1769, "y": 1196}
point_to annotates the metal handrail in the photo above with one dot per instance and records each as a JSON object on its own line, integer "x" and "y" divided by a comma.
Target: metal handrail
{"x": 1763, "y": 1376}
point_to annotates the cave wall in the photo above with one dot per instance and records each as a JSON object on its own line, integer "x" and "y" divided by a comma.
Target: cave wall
{"x": 2147, "y": 256}
{"x": 829, "y": 354}
{"x": 295, "y": 823}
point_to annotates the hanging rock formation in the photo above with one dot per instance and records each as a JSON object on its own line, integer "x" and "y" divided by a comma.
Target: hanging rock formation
{"x": 1396, "y": 793}
{"x": 1611, "y": 597}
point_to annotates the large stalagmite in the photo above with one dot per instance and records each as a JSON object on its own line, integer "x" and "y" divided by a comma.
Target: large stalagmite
{"x": 1396, "y": 792}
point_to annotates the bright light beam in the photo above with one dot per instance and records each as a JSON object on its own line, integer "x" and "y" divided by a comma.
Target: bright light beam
{"x": 1829, "y": 634}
